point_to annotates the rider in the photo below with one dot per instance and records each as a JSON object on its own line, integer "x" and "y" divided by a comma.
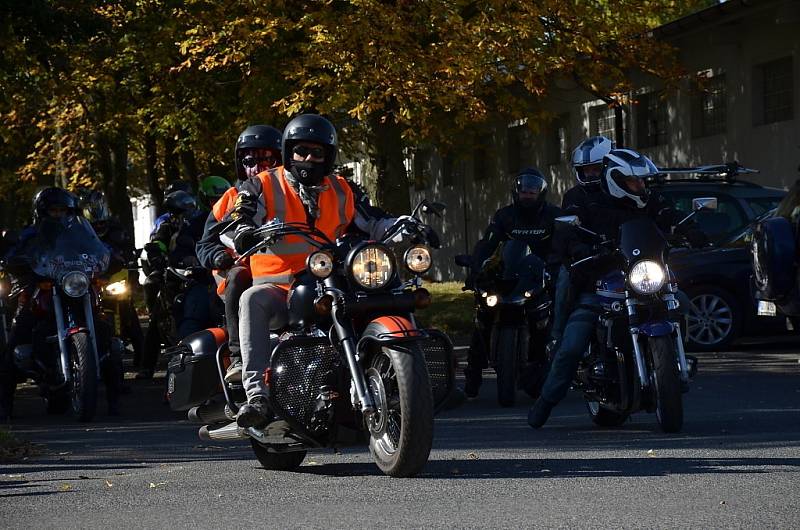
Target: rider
{"x": 49, "y": 204}
{"x": 528, "y": 220}
{"x": 172, "y": 243}
{"x": 211, "y": 190}
{"x": 257, "y": 149}
{"x": 625, "y": 197}
{"x": 587, "y": 165}
{"x": 302, "y": 190}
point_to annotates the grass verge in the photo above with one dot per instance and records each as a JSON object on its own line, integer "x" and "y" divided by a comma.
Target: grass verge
{"x": 12, "y": 448}
{"x": 451, "y": 311}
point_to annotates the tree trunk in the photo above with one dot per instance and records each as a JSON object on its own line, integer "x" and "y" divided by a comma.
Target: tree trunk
{"x": 189, "y": 164}
{"x": 391, "y": 186}
{"x": 151, "y": 171}
{"x": 119, "y": 200}
{"x": 170, "y": 160}
{"x": 104, "y": 163}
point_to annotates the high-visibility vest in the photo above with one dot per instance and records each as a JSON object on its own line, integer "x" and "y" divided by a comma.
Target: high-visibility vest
{"x": 285, "y": 258}
{"x": 220, "y": 209}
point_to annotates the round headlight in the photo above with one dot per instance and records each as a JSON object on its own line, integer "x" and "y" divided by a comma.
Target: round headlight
{"x": 320, "y": 264}
{"x": 75, "y": 284}
{"x": 117, "y": 288}
{"x": 372, "y": 267}
{"x": 647, "y": 277}
{"x": 418, "y": 259}
{"x": 491, "y": 300}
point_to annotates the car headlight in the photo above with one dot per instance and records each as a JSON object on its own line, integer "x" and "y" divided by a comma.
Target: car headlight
{"x": 75, "y": 284}
{"x": 320, "y": 264}
{"x": 372, "y": 267}
{"x": 647, "y": 277}
{"x": 418, "y": 259}
{"x": 117, "y": 288}
{"x": 491, "y": 300}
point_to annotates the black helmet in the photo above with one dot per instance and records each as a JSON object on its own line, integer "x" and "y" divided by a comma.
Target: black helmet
{"x": 529, "y": 180}
{"x": 95, "y": 209}
{"x": 310, "y": 128}
{"x": 53, "y": 197}
{"x": 180, "y": 202}
{"x": 621, "y": 166}
{"x": 178, "y": 185}
{"x": 256, "y": 137}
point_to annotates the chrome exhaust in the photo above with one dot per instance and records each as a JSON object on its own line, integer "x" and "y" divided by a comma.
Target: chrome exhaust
{"x": 227, "y": 433}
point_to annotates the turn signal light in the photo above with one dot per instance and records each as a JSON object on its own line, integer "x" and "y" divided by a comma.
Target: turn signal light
{"x": 422, "y": 298}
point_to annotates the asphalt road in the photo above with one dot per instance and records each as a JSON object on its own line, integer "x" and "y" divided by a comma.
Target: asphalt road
{"x": 736, "y": 464}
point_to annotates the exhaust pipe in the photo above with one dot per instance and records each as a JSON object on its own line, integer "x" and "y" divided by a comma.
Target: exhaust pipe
{"x": 209, "y": 413}
{"x": 223, "y": 434}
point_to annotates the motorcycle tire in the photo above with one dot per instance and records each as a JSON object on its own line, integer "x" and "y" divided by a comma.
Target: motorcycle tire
{"x": 666, "y": 383}
{"x": 400, "y": 380}
{"x": 505, "y": 341}
{"x": 603, "y": 417}
{"x": 277, "y": 461}
{"x": 84, "y": 377}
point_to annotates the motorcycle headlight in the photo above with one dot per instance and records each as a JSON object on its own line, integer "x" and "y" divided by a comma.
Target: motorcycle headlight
{"x": 117, "y": 288}
{"x": 75, "y": 284}
{"x": 372, "y": 267}
{"x": 491, "y": 300}
{"x": 647, "y": 277}
{"x": 418, "y": 259}
{"x": 320, "y": 264}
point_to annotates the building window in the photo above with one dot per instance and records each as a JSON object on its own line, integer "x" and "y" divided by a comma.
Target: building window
{"x": 773, "y": 90}
{"x": 710, "y": 107}
{"x": 651, "y": 120}
{"x": 557, "y": 141}
{"x": 602, "y": 123}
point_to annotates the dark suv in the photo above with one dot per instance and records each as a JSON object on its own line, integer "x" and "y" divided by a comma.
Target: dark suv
{"x": 717, "y": 278}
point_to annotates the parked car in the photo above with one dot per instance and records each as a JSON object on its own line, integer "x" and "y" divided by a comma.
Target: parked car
{"x": 717, "y": 278}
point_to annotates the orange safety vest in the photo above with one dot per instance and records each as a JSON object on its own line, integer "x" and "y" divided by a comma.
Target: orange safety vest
{"x": 221, "y": 208}
{"x": 280, "y": 262}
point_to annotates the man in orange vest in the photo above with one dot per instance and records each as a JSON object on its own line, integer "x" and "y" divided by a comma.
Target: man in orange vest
{"x": 303, "y": 190}
{"x": 257, "y": 149}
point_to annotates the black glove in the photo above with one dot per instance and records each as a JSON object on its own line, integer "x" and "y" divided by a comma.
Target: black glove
{"x": 697, "y": 238}
{"x": 155, "y": 256}
{"x": 222, "y": 260}
{"x": 244, "y": 239}
{"x": 581, "y": 251}
{"x": 245, "y": 207}
{"x": 666, "y": 218}
{"x": 431, "y": 236}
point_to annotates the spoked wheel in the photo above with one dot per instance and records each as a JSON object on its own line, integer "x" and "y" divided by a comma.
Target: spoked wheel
{"x": 84, "y": 377}
{"x": 667, "y": 383}
{"x": 401, "y": 429}
{"x": 277, "y": 461}
{"x": 604, "y": 417}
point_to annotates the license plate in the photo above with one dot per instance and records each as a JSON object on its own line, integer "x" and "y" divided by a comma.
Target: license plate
{"x": 766, "y": 309}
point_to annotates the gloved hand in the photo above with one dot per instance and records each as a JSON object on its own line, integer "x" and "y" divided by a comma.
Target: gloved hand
{"x": 431, "y": 236}
{"x": 245, "y": 207}
{"x": 697, "y": 238}
{"x": 222, "y": 260}
{"x": 244, "y": 239}
{"x": 155, "y": 255}
{"x": 581, "y": 251}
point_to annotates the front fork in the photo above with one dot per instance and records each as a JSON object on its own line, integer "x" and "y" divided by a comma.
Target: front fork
{"x": 348, "y": 341}
{"x": 63, "y": 333}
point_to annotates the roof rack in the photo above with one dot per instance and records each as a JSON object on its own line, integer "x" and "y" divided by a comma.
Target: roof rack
{"x": 727, "y": 172}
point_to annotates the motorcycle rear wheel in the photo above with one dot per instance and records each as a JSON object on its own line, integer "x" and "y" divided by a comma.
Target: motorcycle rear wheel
{"x": 666, "y": 383}
{"x": 277, "y": 461}
{"x": 84, "y": 377}
{"x": 401, "y": 430}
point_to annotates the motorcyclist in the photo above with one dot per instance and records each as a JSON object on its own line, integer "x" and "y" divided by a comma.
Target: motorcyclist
{"x": 211, "y": 190}
{"x": 587, "y": 165}
{"x": 258, "y": 148}
{"x": 302, "y": 190}
{"x": 50, "y": 205}
{"x": 529, "y": 220}
{"x": 172, "y": 243}
{"x": 625, "y": 197}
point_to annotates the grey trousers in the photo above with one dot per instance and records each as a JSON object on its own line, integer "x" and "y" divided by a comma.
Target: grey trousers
{"x": 261, "y": 308}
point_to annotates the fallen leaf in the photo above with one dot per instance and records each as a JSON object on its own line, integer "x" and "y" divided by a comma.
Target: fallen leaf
{"x": 651, "y": 453}
{"x": 312, "y": 463}
{"x": 65, "y": 487}
{"x": 64, "y": 453}
{"x": 157, "y": 484}
{"x": 472, "y": 456}
{"x": 722, "y": 503}
{"x": 109, "y": 484}
{"x": 14, "y": 476}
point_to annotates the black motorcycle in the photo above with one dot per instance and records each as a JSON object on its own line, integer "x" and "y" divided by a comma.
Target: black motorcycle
{"x": 636, "y": 360}
{"x": 351, "y": 366}
{"x": 64, "y": 359}
{"x": 513, "y": 306}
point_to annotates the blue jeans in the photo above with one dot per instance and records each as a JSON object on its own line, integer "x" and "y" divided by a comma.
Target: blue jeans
{"x": 577, "y": 334}
{"x": 561, "y": 304}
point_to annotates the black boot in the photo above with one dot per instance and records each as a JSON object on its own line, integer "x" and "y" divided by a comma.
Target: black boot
{"x": 539, "y": 412}
{"x": 254, "y": 413}
{"x": 473, "y": 377}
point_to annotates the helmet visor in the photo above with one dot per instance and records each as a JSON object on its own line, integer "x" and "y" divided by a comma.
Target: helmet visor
{"x": 589, "y": 173}
{"x": 530, "y": 186}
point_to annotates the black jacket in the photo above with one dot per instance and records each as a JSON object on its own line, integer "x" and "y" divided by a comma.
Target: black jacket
{"x": 512, "y": 222}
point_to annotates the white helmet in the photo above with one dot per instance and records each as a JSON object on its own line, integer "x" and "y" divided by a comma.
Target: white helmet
{"x": 621, "y": 169}
{"x": 589, "y": 152}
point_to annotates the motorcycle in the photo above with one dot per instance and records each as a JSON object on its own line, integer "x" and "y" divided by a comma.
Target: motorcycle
{"x": 116, "y": 300}
{"x": 775, "y": 270}
{"x": 515, "y": 305}
{"x": 636, "y": 359}
{"x": 64, "y": 359}
{"x": 351, "y": 367}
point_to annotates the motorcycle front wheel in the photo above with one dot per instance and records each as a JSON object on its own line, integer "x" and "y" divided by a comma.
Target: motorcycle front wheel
{"x": 666, "y": 383}
{"x": 401, "y": 429}
{"x": 84, "y": 376}
{"x": 506, "y": 344}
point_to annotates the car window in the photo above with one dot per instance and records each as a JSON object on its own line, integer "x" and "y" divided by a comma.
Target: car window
{"x": 719, "y": 224}
{"x": 761, "y": 205}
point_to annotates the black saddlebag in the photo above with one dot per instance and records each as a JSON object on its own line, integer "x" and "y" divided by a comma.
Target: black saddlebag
{"x": 192, "y": 373}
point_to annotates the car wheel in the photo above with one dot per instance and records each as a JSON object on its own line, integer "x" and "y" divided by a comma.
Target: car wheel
{"x": 714, "y": 319}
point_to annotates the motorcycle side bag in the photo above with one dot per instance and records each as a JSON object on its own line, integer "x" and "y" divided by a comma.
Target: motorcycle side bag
{"x": 192, "y": 373}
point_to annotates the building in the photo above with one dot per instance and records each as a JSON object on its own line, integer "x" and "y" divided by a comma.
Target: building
{"x": 747, "y": 56}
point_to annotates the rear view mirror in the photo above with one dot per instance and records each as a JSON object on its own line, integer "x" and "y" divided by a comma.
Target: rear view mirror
{"x": 704, "y": 203}
{"x": 436, "y": 208}
{"x": 571, "y": 220}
